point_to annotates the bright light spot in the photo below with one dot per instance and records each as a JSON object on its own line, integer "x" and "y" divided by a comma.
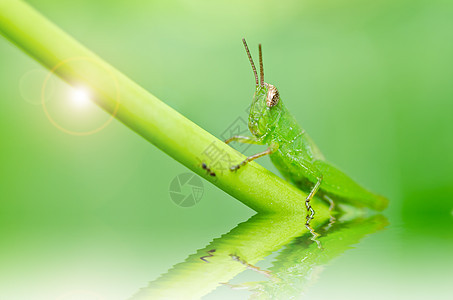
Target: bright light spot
{"x": 80, "y": 96}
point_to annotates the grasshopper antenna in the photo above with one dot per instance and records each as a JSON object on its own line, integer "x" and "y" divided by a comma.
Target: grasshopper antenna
{"x": 251, "y": 61}
{"x": 261, "y": 66}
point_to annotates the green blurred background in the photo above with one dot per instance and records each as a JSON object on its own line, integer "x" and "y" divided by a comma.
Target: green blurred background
{"x": 371, "y": 81}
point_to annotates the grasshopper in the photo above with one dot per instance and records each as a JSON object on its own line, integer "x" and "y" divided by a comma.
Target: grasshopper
{"x": 294, "y": 153}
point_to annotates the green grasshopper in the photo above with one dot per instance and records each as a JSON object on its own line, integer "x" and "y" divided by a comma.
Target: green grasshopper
{"x": 294, "y": 153}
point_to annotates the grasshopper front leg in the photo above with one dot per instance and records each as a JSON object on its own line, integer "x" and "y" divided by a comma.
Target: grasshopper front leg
{"x": 244, "y": 139}
{"x": 268, "y": 151}
{"x": 250, "y": 140}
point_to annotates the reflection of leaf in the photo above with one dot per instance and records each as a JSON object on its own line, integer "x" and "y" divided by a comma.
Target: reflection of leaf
{"x": 300, "y": 262}
{"x": 251, "y": 241}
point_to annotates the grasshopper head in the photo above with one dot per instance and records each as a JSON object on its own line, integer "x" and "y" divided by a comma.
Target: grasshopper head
{"x": 266, "y": 106}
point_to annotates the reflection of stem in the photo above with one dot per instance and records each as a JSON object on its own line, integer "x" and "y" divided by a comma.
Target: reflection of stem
{"x": 254, "y": 240}
{"x": 292, "y": 270}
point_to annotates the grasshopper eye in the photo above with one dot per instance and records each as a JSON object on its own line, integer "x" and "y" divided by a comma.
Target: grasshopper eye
{"x": 272, "y": 96}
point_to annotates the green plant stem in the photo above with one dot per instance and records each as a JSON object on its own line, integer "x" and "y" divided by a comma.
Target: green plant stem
{"x": 174, "y": 134}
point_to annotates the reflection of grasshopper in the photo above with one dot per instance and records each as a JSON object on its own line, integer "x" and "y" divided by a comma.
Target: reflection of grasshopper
{"x": 250, "y": 266}
{"x": 204, "y": 258}
{"x": 301, "y": 261}
{"x": 251, "y": 242}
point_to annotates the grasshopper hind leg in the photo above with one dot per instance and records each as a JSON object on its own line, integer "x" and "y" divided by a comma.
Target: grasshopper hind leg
{"x": 311, "y": 212}
{"x": 309, "y": 197}
{"x": 306, "y": 177}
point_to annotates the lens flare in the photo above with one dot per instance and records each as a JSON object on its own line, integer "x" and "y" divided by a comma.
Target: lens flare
{"x": 80, "y": 97}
